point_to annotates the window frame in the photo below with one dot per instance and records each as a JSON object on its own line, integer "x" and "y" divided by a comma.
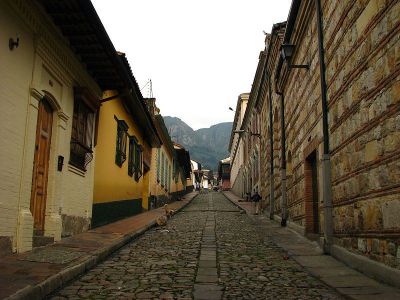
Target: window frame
{"x": 82, "y": 132}
{"x": 158, "y": 164}
{"x": 135, "y": 160}
{"x": 121, "y": 141}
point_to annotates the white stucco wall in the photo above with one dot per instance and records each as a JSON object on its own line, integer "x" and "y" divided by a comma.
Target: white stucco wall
{"x": 41, "y": 64}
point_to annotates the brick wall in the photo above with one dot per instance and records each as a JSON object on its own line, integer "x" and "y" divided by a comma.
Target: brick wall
{"x": 361, "y": 40}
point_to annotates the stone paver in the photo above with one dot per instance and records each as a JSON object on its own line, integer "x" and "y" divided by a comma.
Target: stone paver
{"x": 207, "y": 251}
{"x": 348, "y": 282}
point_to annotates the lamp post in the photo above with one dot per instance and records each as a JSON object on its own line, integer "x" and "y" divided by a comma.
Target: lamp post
{"x": 287, "y": 51}
{"x": 251, "y": 133}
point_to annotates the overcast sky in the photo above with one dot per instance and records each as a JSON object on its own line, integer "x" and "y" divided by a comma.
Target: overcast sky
{"x": 200, "y": 55}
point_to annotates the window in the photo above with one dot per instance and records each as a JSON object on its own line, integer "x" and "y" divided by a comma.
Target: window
{"x": 158, "y": 164}
{"x": 162, "y": 169}
{"x": 165, "y": 172}
{"x": 176, "y": 171}
{"x": 122, "y": 133}
{"x": 81, "y": 135}
{"x": 169, "y": 177}
{"x": 135, "y": 159}
{"x": 138, "y": 162}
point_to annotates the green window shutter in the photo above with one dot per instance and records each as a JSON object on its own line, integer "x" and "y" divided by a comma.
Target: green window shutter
{"x": 122, "y": 134}
{"x": 138, "y": 161}
{"x": 169, "y": 178}
{"x": 131, "y": 156}
{"x": 158, "y": 164}
{"x": 162, "y": 169}
{"x": 165, "y": 172}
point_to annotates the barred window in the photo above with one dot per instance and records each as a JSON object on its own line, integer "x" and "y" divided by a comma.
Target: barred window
{"x": 165, "y": 171}
{"x": 135, "y": 158}
{"x": 122, "y": 133}
{"x": 169, "y": 177}
{"x": 158, "y": 164}
{"x": 138, "y": 162}
{"x": 162, "y": 169}
{"x": 81, "y": 153}
{"x": 175, "y": 171}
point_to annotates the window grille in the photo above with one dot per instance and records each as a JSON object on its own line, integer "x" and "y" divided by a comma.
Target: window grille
{"x": 122, "y": 133}
{"x": 81, "y": 153}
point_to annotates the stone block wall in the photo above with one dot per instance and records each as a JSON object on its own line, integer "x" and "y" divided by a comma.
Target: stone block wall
{"x": 363, "y": 77}
{"x": 362, "y": 58}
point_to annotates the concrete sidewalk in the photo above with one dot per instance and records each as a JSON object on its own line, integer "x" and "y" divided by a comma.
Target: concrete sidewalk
{"x": 347, "y": 281}
{"x": 35, "y": 274}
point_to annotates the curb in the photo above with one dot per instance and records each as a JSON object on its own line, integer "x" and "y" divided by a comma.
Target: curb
{"x": 237, "y": 205}
{"x": 56, "y": 281}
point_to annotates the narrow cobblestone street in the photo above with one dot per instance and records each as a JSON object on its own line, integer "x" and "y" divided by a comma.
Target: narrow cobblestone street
{"x": 209, "y": 250}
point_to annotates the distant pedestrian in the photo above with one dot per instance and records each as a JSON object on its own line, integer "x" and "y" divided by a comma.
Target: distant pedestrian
{"x": 256, "y": 199}
{"x": 248, "y": 197}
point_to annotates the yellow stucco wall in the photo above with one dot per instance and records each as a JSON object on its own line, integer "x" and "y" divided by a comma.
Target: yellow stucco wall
{"x": 111, "y": 182}
{"x": 155, "y": 186}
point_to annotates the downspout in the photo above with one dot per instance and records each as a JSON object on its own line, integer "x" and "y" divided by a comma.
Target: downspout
{"x": 326, "y": 162}
{"x": 271, "y": 142}
{"x": 283, "y": 168}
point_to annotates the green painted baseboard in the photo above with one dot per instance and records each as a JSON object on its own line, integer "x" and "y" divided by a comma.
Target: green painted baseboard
{"x": 108, "y": 212}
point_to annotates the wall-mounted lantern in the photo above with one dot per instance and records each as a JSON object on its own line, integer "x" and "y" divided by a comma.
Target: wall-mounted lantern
{"x": 243, "y": 131}
{"x": 60, "y": 163}
{"x": 287, "y": 51}
{"x": 13, "y": 43}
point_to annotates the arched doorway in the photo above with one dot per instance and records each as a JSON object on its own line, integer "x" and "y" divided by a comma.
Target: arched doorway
{"x": 41, "y": 165}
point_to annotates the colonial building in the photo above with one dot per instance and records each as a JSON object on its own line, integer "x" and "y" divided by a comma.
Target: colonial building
{"x": 126, "y": 136}
{"x": 273, "y": 188}
{"x": 182, "y": 172}
{"x": 53, "y": 72}
{"x": 224, "y": 173}
{"x": 171, "y": 165}
{"x": 236, "y": 148}
{"x": 244, "y": 146}
{"x": 197, "y": 174}
{"x": 330, "y": 111}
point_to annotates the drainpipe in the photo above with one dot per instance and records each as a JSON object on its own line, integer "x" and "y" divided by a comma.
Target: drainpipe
{"x": 271, "y": 142}
{"x": 326, "y": 162}
{"x": 283, "y": 168}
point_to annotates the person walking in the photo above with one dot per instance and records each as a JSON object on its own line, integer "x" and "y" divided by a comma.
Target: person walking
{"x": 256, "y": 199}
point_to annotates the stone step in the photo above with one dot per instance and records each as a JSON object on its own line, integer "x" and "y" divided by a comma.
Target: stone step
{"x": 39, "y": 241}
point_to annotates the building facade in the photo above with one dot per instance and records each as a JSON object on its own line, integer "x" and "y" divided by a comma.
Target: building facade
{"x": 168, "y": 178}
{"x": 244, "y": 146}
{"x": 126, "y": 135}
{"x": 330, "y": 113}
{"x": 49, "y": 99}
{"x": 236, "y": 147}
{"x": 224, "y": 174}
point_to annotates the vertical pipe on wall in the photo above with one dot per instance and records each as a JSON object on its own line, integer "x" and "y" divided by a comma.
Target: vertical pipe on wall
{"x": 283, "y": 167}
{"x": 271, "y": 143}
{"x": 326, "y": 164}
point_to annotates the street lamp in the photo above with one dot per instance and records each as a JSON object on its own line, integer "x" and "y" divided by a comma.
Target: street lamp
{"x": 287, "y": 51}
{"x": 240, "y": 131}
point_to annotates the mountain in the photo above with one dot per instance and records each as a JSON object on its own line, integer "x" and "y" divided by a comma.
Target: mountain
{"x": 206, "y": 145}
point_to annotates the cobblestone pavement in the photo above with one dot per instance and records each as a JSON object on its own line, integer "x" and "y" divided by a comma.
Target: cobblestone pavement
{"x": 207, "y": 251}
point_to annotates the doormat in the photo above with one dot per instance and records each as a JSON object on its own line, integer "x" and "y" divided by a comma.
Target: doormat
{"x": 53, "y": 256}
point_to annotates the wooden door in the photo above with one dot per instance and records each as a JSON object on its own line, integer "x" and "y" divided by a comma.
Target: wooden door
{"x": 311, "y": 194}
{"x": 41, "y": 165}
